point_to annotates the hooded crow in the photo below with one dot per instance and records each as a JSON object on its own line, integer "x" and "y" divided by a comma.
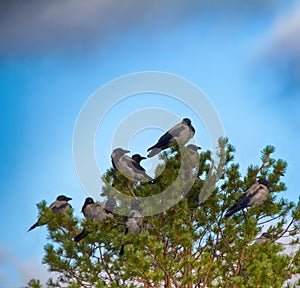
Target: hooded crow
{"x": 179, "y": 134}
{"x": 193, "y": 153}
{"x": 190, "y": 161}
{"x": 61, "y": 205}
{"x": 129, "y": 167}
{"x": 134, "y": 223}
{"x": 96, "y": 212}
{"x": 137, "y": 158}
{"x": 254, "y": 196}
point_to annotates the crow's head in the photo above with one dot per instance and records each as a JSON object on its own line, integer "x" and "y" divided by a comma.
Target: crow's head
{"x": 264, "y": 182}
{"x": 137, "y": 158}
{"x": 63, "y": 198}
{"x": 119, "y": 152}
{"x": 187, "y": 121}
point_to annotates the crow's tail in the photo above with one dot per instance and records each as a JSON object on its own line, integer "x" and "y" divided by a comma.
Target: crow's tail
{"x": 33, "y": 226}
{"x": 81, "y": 235}
{"x": 121, "y": 250}
{"x": 233, "y": 210}
{"x": 153, "y": 152}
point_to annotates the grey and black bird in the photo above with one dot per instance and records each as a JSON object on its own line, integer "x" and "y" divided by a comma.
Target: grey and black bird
{"x": 129, "y": 166}
{"x": 96, "y": 212}
{"x": 61, "y": 205}
{"x": 137, "y": 158}
{"x": 180, "y": 134}
{"x": 193, "y": 155}
{"x": 254, "y": 196}
{"x": 190, "y": 162}
{"x": 134, "y": 223}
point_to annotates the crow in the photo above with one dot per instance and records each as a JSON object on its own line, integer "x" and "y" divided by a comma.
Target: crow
{"x": 179, "y": 134}
{"x": 96, "y": 212}
{"x": 129, "y": 167}
{"x": 134, "y": 223}
{"x": 137, "y": 158}
{"x": 254, "y": 196}
{"x": 190, "y": 160}
{"x": 193, "y": 153}
{"x": 61, "y": 205}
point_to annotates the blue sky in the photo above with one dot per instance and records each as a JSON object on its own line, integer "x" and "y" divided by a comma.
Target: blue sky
{"x": 53, "y": 56}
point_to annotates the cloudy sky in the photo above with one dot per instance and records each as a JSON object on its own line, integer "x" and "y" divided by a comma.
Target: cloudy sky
{"x": 54, "y": 55}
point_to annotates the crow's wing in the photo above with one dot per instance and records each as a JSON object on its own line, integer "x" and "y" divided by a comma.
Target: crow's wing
{"x": 59, "y": 206}
{"x": 138, "y": 166}
{"x": 252, "y": 190}
{"x": 245, "y": 199}
{"x": 133, "y": 169}
{"x": 128, "y": 162}
{"x": 241, "y": 203}
{"x": 113, "y": 164}
{"x": 131, "y": 165}
{"x": 259, "y": 195}
{"x": 98, "y": 214}
{"x": 177, "y": 129}
{"x": 163, "y": 141}
{"x": 88, "y": 211}
{"x": 122, "y": 163}
{"x": 168, "y": 137}
{"x": 110, "y": 205}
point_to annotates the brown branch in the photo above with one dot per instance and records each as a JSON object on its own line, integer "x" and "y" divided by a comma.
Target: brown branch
{"x": 208, "y": 273}
{"x": 188, "y": 269}
{"x": 168, "y": 275}
{"x": 131, "y": 190}
{"x": 285, "y": 230}
{"x": 225, "y": 239}
{"x": 147, "y": 282}
{"x": 267, "y": 221}
{"x": 74, "y": 275}
{"x": 239, "y": 264}
{"x": 104, "y": 265}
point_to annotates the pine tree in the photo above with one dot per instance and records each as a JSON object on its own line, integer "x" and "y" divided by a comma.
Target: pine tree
{"x": 191, "y": 244}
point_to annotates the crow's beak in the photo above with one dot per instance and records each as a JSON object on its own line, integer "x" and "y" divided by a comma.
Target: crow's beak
{"x": 68, "y": 198}
{"x": 198, "y": 147}
{"x": 143, "y": 158}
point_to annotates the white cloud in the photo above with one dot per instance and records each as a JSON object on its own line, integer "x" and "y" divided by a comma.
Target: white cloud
{"x": 283, "y": 40}
{"x": 34, "y": 26}
{"x": 279, "y": 56}
{"x": 15, "y": 272}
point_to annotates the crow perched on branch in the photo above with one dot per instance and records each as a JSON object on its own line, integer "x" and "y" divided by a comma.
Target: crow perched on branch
{"x": 134, "y": 223}
{"x": 96, "y": 212}
{"x": 254, "y": 196}
{"x": 178, "y": 135}
{"x": 129, "y": 167}
{"x": 61, "y": 205}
